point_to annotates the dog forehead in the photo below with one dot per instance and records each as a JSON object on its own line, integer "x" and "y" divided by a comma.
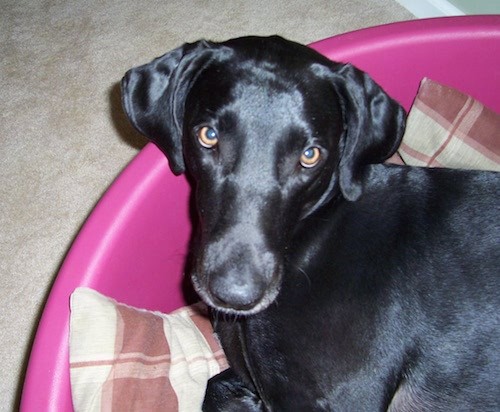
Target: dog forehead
{"x": 276, "y": 88}
{"x": 272, "y": 49}
{"x": 261, "y": 60}
{"x": 259, "y": 79}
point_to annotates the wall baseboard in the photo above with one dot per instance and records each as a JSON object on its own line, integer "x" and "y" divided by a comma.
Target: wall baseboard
{"x": 430, "y": 8}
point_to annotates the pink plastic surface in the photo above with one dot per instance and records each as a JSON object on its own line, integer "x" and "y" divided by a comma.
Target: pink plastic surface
{"x": 133, "y": 245}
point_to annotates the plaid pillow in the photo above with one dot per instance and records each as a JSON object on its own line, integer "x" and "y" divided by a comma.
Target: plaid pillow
{"x": 122, "y": 358}
{"x": 446, "y": 128}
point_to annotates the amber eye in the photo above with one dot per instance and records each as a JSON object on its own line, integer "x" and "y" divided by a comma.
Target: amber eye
{"x": 207, "y": 137}
{"x": 310, "y": 157}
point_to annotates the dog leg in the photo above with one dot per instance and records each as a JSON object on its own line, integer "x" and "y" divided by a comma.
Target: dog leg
{"x": 227, "y": 393}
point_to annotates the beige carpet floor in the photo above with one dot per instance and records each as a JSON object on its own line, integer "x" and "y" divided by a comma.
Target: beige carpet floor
{"x": 60, "y": 62}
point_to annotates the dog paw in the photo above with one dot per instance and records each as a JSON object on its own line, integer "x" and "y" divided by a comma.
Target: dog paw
{"x": 227, "y": 393}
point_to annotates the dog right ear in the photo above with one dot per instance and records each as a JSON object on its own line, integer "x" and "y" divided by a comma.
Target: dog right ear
{"x": 375, "y": 125}
{"x": 153, "y": 97}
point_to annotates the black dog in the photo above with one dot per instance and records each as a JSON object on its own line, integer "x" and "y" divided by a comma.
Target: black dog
{"x": 337, "y": 282}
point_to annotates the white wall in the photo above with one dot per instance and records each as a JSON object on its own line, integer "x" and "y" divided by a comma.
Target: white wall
{"x": 430, "y": 8}
{"x": 436, "y": 8}
{"x": 478, "y": 6}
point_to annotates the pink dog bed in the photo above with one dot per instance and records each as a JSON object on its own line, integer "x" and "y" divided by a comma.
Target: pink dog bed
{"x": 133, "y": 245}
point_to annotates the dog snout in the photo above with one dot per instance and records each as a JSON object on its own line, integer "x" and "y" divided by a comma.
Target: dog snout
{"x": 237, "y": 291}
{"x": 238, "y": 277}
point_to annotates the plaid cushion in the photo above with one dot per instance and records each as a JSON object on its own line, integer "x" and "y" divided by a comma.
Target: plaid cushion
{"x": 447, "y": 128}
{"x": 122, "y": 358}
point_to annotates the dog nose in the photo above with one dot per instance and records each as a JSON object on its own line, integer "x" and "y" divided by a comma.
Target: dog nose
{"x": 237, "y": 293}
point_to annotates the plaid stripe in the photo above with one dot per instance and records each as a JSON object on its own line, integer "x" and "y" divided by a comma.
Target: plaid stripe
{"x": 193, "y": 362}
{"x": 446, "y": 128}
{"x": 139, "y": 374}
{"x": 198, "y": 314}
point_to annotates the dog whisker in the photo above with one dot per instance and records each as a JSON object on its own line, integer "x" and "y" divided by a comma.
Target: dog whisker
{"x": 305, "y": 275}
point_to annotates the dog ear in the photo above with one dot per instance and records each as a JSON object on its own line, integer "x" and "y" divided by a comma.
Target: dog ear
{"x": 374, "y": 126}
{"x": 153, "y": 97}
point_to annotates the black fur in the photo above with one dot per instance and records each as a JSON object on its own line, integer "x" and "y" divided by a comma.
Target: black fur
{"x": 351, "y": 285}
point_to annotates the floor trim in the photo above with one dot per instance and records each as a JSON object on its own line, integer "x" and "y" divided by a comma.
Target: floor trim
{"x": 430, "y": 8}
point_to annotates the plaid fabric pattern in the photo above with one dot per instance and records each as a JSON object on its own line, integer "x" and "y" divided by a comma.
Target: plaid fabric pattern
{"x": 446, "y": 128}
{"x": 127, "y": 359}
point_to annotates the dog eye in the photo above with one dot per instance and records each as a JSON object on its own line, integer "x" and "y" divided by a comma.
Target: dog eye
{"x": 207, "y": 137}
{"x": 310, "y": 157}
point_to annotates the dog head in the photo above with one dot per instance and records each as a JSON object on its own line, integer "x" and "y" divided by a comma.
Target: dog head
{"x": 270, "y": 132}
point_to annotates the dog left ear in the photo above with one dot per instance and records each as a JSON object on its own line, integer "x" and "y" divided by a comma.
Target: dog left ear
{"x": 374, "y": 126}
{"x": 153, "y": 97}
